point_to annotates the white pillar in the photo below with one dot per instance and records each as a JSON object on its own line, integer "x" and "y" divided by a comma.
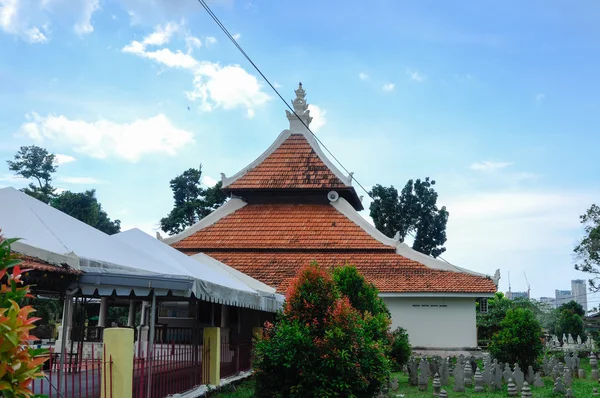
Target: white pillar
{"x": 64, "y": 329}
{"x": 131, "y": 317}
{"x": 103, "y": 310}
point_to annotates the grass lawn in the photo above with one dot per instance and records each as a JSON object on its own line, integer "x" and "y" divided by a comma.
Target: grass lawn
{"x": 580, "y": 387}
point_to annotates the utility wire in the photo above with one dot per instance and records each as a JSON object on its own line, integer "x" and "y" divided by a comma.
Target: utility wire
{"x": 236, "y": 44}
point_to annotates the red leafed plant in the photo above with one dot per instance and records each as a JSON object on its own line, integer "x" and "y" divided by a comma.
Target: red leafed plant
{"x": 20, "y": 363}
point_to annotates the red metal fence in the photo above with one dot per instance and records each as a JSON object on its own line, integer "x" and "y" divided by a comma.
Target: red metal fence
{"x": 80, "y": 378}
{"x": 235, "y": 358}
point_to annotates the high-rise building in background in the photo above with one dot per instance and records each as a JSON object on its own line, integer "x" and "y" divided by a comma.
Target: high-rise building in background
{"x": 550, "y": 301}
{"x": 562, "y": 297}
{"x": 579, "y": 292}
{"x": 514, "y": 295}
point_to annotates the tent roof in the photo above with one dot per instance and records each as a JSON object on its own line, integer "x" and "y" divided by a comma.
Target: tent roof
{"x": 58, "y": 238}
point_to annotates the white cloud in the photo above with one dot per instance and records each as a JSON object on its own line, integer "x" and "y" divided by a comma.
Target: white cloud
{"x": 277, "y": 85}
{"x": 318, "y": 115}
{"x": 539, "y": 98}
{"x": 415, "y": 75}
{"x": 59, "y": 158}
{"x": 104, "y": 138}
{"x": 162, "y": 34}
{"x": 489, "y": 166}
{"x": 388, "y": 87}
{"x": 215, "y": 86}
{"x": 363, "y": 76}
{"x": 237, "y": 36}
{"x": 80, "y": 180}
{"x": 209, "y": 181}
{"x": 192, "y": 42}
{"x": 84, "y": 25}
{"x": 30, "y": 19}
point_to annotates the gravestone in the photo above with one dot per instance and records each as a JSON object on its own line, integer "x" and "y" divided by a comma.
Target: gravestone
{"x": 567, "y": 378}
{"x": 595, "y": 392}
{"x": 445, "y": 372}
{"x": 413, "y": 372}
{"x": 512, "y": 388}
{"x": 423, "y": 374}
{"x": 569, "y": 394}
{"x": 575, "y": 364}
{"x": 564, "y": 339}
{"x": 468, "y": 375}
{"x": 551, "y": 366}
{"x": 518, "y": 377}
{"x": 497, "y": 375}
{"x": 478, "y": 381}
{"x": 581, "y": 374}
{"x": 443, "y": 394}
{"x": 594, "y": 365}
{"x": 570, "y": 339}
{"x": 568, "y": 359}
{"x": 530, "y": 375}
{"x": 579, "y": 339}
{"x": 526, "y": 391}
{"x": 559, "y": 386}
{"x": 459, "y": 378}
{"x": 545, "y": 366}
{"x": 437, "y": 385}
{"x": 538, "y": 382}
{"x": 487, "y": 373}
{"x": 394, "y": 384}
{"x": 507, "y": 374}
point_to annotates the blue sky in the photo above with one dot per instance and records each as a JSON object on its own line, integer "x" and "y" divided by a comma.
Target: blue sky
{"x": 497, "y": 102}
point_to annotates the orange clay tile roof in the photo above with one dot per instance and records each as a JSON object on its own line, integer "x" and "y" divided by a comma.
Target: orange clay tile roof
{"x": 390, "y": 272}
{"x": 284, "y": 226}
{"x": 271, "y": 242}
{"x": 294, "y": 164}
{"x": 40, "y": 265}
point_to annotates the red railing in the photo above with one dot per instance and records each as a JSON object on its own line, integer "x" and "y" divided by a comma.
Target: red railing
{"x": 171, "y": 368}
{"x": 80, "y": 378}
{"x": 235, "y": 358}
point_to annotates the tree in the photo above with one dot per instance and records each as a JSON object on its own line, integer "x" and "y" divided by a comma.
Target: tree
{"x": 518, "y": 340}
{"x": 192, "y": 201}
{"x": 574, "y": 307}
{"x": 85, "y": 207}
{"x": 413, "y": 210}
{"x": 587, "y": 251}
{"x": 35, "y": 162}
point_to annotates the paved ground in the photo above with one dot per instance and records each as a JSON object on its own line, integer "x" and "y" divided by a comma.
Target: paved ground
{"x": 83, "y": 385}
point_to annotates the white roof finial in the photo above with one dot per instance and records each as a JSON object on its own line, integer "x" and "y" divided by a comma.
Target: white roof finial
{"x": 301, "y": 110}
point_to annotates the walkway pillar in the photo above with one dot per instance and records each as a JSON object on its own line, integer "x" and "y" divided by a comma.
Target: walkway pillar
{"x": 103, "y": 310}
{"x": 211, "y": 356}
{"x": 131, "y": 317}
{"x": 117, "y": 367}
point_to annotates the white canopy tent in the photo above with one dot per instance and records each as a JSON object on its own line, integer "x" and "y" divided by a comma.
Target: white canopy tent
{"x": 128, "y": 263}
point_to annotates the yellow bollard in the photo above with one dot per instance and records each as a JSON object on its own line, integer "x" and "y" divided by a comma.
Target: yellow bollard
{"x": 211, "y": 356}
{"x": 118, "y": 348}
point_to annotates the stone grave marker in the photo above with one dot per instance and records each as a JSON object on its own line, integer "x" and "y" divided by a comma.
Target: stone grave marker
{"x": 437, "y": 385}
{"x": 568, "y": 359}
{"x": 595, "y": 392}
{"x": 567, "y": 378}
{"x": 478, "y": 381}
{"x": 512, "y": 388}
{"x": 594, "y": 365}
{"x": 559, "y": 387}
{"x": 526, "y": 391}
{"x": 497, "y": 375}
{"x": 459, "y": 378}
{"x": 423, "y": 374}
{"x": 518, "y": 377}
{"x": 545, "y": 365}
{"x": 468, "y": 374}
{"x": 507, "y": 374}
{"x": 443, "y": 394}
{"x": 413, "y": 372}
{"x": 445, "y": 372}
{"x": 538, "y": 382}
{"x": 569, "y": 394}
{"x": 575, "y": 364}
{"x": 579, "y": 339}
{"x": 487, "y": 373}
{"x": 581, "y": 373}
{"x": 530, "y": 375}
{"x": 394, "y": 384}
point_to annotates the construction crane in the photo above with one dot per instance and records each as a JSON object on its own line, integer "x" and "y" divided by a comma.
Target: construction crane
{"x": 528, "y": 287}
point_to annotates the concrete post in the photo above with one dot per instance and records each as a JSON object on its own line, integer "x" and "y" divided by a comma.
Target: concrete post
{"x": 118, "y": 359}
{"x": 211, "y": 356}
{"x": 131, "y": 317}
{"x": 103, "y": 310}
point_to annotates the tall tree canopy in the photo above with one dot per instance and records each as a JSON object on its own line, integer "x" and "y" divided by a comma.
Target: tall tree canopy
{"x": 85, "y": 207}
{"x": 587, "y": 251}
{"x": 192, "y": 201}
{"x": 33, "y": 162}
{"x": 413, "y": 210}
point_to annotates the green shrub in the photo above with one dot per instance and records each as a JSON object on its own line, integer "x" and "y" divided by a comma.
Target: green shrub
{"x": 518, "y": 340}
{"x": 400, "y": 349}
{"x": 321, "y": 346}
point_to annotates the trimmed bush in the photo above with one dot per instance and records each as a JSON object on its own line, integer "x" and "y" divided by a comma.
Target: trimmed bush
{"x": 322, "y": 346}
{"x": 518, "y": 340}
{"x": 400, "y": 349}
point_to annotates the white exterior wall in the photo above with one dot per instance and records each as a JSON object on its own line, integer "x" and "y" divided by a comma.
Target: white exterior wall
{"x": 435, "y": 322}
